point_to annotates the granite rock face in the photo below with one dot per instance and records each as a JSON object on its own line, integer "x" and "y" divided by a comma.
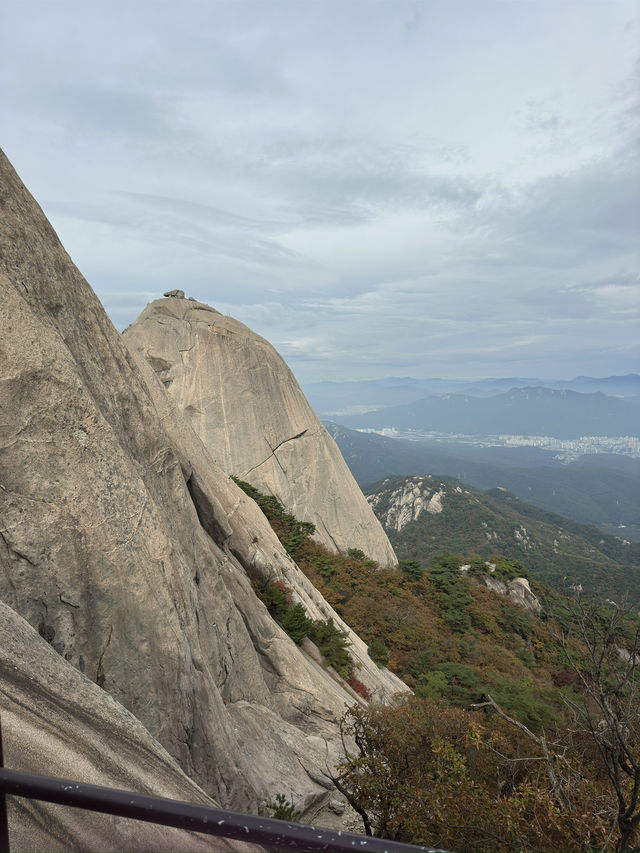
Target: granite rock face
{"x": 406, "y": 503}
{"x": 517, "y": 589}
{"x": 133, "y": 555}
{"x": 56, "y": 722}
{"x": 246, "y": 406}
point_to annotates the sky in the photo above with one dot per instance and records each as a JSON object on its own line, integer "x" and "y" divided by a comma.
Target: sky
{"x": 384, "y": 188}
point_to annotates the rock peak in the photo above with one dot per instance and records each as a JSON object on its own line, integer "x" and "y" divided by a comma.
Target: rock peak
{"x": 249, "y": 411}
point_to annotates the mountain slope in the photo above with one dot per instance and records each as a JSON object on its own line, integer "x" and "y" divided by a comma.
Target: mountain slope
{"x": 520, "y": 411}
{"x": 427, "y": 515}
{"x": 246, "y": 406}
{"x": 602, "y": 490}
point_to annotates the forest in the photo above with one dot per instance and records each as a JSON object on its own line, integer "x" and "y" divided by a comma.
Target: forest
{"x": 523, "y": 730}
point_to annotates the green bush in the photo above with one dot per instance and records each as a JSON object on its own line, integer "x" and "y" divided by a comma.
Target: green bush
{"x": 411, "y": 569}
{"x": 332, "y": 643}
{"x": 478, "y": 567}
{"x": 463, "y": 684}
{"x": 356, "y": 554}
{"x": 296, "y": 623}
{"x": 527, "y": 658}
{"x": 277, "y": 599}
{"x": 299, "y": 532}
{"x": 518, "y": 699}
{"x": 292, "y": 533}
{"x": 456, "y": 617}
{"x": 432, "y": 685}
{"x": 453, "y": 595}
{"x": 325, "y": 567}
{"x": 378, "y": 652}
{"x": 283, "y": 809}
{"x": 507, "y": 569}
{"x": 515, "y": 621}
{"x": 292, "y": 618}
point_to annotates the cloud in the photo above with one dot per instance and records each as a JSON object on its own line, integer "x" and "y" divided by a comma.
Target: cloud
{"x": 376, "y": 188}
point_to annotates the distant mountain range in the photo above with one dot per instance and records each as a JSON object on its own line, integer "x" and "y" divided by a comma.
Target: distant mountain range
{"x": 424, "y": 516}
{"x": 603, "y": 490}
{"x": 531, "y": 411}
{"x": 331, "y": 399}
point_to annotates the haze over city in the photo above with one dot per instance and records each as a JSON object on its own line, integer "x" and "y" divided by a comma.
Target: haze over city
{"x": 398, "y": 188}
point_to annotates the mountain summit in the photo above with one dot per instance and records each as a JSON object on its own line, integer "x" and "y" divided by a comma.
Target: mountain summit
{"x": 247, "y": 408}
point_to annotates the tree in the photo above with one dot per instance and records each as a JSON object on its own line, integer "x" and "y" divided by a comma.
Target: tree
{"x": 421, "y": 772}
{"x": 296, "y": 623}
{"x": 356, "y": 554}
{"x": 332, "y": 643}
{"x": 283, "y": 809}
{"x": 325, "y": 566}
{"x": 606, "y": 660}
{"x": 601, "y": 649}
{"x": 411, "y": 569}
{"x": 453, "y": 594}
{"x": 277, "y": 597}
{"x": 378, "y": 652}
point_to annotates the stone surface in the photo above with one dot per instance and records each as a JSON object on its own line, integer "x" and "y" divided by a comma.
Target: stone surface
{"x": 406, "y": 503}
{"x": 133, "y": 555}
{"x": 246, "y": 406}
{"x": 517, "y": 589}
{"x": 521, "y": 593}
{"x": 56, "y": 722}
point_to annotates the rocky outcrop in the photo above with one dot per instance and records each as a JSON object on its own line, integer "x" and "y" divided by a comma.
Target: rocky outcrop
{"x": 249, "y": 540}
{"x": 246, "y": 406}
{"x": 406, "y": 503}
{"x": 517, "y": 589}
{"x": 133, "y": 555}
{"x": 56, "y": 722}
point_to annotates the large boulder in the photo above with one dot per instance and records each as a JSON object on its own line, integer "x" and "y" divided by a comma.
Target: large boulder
{"x": 134, "y": 556}
{"x": 245, "y": 404}
{"x": 517, "y": 589}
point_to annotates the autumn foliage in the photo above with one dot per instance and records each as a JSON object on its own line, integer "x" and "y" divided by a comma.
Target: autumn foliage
{"x": 524, "y": 730}
{"x": 426, "y": 773}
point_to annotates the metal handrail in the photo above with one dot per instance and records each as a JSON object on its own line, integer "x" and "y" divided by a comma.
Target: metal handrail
{"x": 4, "y": 823}
{"x": 272, "y": 834}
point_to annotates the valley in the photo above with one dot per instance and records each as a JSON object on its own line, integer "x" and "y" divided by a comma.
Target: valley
{"x": 600, "y": 489}
{"x": 500, "y": 668}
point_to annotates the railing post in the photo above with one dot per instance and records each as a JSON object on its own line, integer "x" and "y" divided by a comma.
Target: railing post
{"x": 4, "y": 823}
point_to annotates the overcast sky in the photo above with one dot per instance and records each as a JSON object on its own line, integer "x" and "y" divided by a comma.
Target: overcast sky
{"x": 437, "y": 188}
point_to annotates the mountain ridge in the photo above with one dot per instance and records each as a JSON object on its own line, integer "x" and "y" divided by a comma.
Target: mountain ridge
{"x": 428, "y": 515}
{"x": 533, "y": 411}
{"x": 597, "y": 489}
{"x": 332, "y": 398}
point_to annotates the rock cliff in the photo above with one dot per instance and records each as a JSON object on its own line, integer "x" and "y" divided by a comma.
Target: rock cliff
{"x": 57, "y": 722}
{"x": 246, "y": 406}
{"x": 132, "y": 554}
